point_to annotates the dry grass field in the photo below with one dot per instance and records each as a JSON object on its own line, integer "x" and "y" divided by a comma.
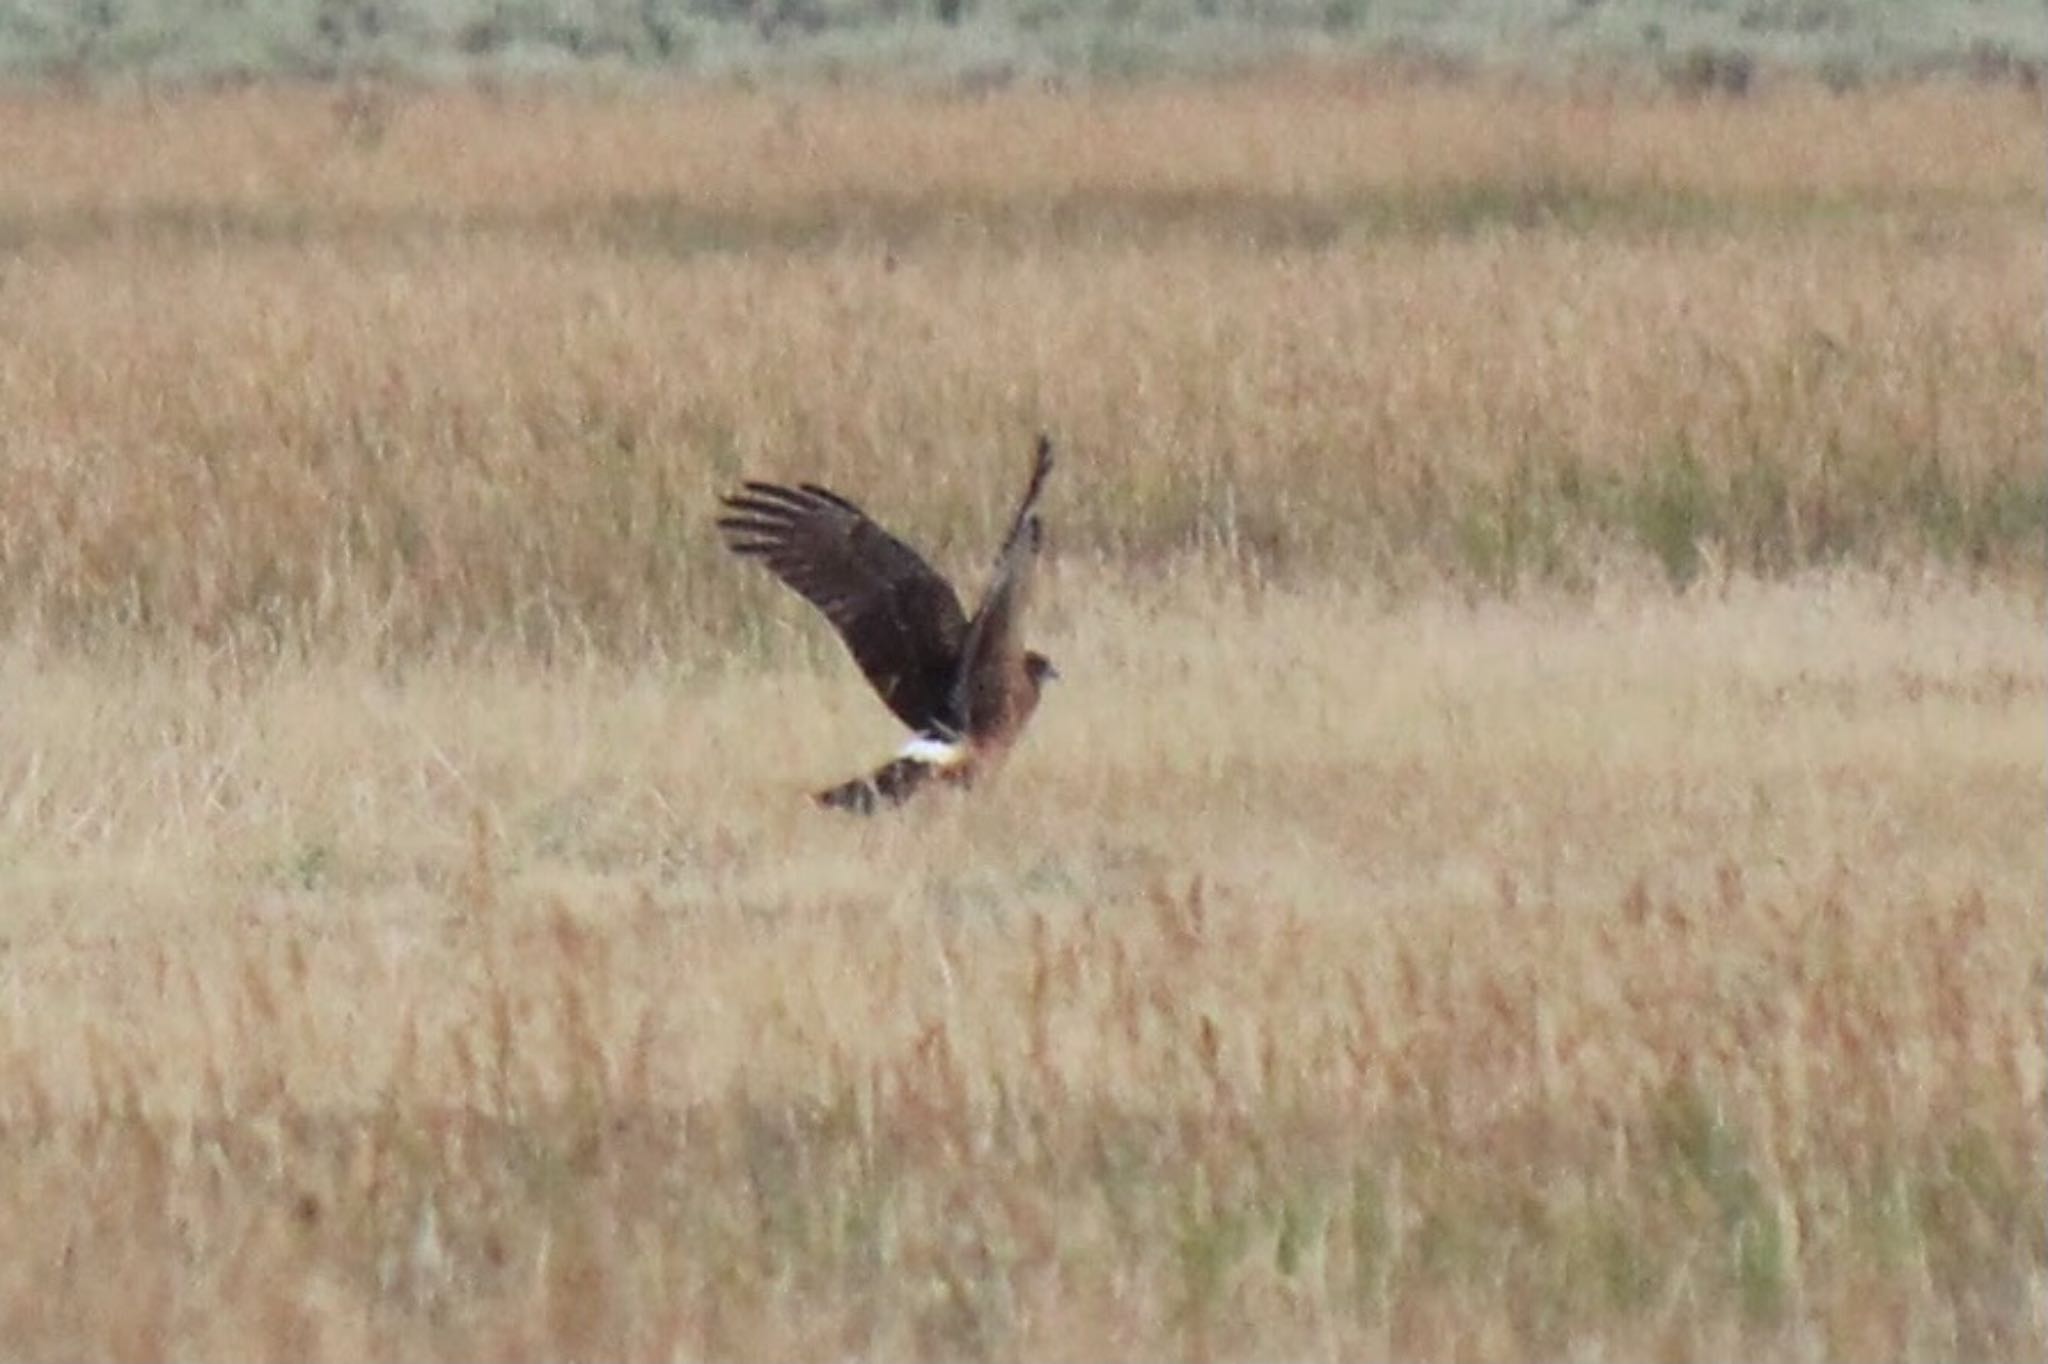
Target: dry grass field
{"x": 1538, "y": 852}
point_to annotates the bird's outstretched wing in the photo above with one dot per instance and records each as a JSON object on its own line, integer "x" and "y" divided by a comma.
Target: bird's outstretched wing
{"x": 901, "y": 620}
{"x": 992, "y": 656}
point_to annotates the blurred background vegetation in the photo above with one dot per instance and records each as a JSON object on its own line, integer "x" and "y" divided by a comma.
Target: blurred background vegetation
{"x": 1715, "y": 44}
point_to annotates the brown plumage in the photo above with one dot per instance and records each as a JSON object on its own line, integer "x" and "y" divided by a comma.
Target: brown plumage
{"x": 966, "y": 686}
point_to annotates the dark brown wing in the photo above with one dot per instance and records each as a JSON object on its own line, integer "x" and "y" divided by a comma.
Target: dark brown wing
{"x": 901, "y": 620}
{"x": 992, "y": 659}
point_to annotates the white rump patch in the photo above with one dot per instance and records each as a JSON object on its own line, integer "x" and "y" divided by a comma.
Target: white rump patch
{"x": 935, "y": 752}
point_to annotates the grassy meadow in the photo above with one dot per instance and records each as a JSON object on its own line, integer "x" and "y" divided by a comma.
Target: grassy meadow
{"x": 1537, "y": 852}
{"x": 992, "y": 43}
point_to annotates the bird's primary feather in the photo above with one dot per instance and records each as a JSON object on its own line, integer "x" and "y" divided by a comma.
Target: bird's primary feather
{"x": 901, "y": 621}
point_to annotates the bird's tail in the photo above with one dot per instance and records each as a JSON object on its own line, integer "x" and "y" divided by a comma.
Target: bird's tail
{"x": 892, "y": 783}
{"x": 923, "y": 759}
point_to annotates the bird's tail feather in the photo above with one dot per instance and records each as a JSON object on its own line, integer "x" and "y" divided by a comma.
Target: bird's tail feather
{"x": 892, "y": 783}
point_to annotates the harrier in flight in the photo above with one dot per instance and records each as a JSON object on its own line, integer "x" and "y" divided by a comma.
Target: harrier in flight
{"x": 965, "y": 686}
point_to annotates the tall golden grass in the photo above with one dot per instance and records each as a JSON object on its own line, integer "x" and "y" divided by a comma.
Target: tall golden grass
{"x": 477, "y": 380}
{"x": 1537, "y": 853}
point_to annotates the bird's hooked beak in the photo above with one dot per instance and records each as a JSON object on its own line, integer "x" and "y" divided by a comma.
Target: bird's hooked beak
{"x": 1049, "y": 673}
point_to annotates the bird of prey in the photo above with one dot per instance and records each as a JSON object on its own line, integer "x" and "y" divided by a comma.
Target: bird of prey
{"x": 965, "y": 685}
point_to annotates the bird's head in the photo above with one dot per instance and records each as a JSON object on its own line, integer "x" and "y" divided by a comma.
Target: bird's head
{"x": 1039, "y": 669}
